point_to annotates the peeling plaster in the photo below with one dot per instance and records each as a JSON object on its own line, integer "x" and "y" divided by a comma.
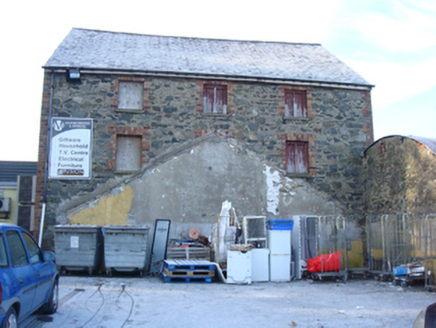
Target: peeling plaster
{"x": 274, "y": 185}
{"x": 111, "y": 210}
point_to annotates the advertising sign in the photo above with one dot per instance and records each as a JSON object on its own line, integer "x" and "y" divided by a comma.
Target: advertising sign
{"x": 70, "y": 148}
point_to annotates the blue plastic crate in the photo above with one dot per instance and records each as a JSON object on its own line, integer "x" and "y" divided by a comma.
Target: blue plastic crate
{"x": 280, "y": 224}
{"x": 400, "y": 270}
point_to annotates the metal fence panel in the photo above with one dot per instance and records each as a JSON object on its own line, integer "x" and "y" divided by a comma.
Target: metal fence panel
{"x": 396, "y": 240}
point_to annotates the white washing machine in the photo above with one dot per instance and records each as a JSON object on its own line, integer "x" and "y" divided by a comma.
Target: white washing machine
{"x": 238, "y": 267}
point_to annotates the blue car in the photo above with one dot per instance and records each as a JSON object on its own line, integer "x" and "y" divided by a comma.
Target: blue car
{"x": 29, "y": 279}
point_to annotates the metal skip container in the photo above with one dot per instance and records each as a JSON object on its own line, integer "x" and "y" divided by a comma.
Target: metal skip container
{"x": 78, "y": 247}
{"x": 125, "y": 248}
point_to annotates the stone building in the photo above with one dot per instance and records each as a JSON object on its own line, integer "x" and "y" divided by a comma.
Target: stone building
{"x": 400, "y": 175}
{"x": 179, "y": 125}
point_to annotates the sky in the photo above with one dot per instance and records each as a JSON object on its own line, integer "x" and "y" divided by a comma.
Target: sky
{"x": 390, "y": 43}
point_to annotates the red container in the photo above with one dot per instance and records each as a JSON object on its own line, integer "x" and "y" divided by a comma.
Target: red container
{"x": 325, "y": 263}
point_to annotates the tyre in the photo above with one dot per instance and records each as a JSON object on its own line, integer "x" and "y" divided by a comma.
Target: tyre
{"x": 11, "y": 319}
{"x": 53, "y": 301}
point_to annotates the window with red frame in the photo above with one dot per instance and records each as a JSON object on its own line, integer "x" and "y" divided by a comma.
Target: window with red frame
{"x": 297, "y": 157}
{"x": 215, "y": 99}
{"x": 295, "y": 103}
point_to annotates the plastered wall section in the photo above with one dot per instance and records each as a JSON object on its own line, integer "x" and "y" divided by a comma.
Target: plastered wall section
{"x": 110, "y": 209}
{"x": 190, "y": 187}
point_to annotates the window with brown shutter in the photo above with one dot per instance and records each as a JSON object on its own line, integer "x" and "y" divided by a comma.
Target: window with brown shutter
{"x": 297, "y": 157}
{"x": 214, "y": 99}
{"x": 295, "y": 103}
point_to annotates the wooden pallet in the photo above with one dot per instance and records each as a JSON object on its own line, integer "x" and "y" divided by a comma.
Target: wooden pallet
{"x": 197, "y": 253}
{"x": 189, "y": 265}
{"x": 189, "y": 273}
{"x": 187, "y": 279}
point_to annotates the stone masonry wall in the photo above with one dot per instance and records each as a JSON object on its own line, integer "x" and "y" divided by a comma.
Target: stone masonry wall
{"x": 338, "y": 128}
{"x": 401, "y": 177}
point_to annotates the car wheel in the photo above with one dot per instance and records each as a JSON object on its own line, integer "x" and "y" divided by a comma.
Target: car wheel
{"x": 10, "y": 319}
{"x": 53, "y": 301}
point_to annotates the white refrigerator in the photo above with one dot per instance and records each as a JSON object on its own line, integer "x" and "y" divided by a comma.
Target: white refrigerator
{"x": 279, "y": 244}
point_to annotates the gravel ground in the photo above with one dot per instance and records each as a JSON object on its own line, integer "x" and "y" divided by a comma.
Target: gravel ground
{"x": 139, "y": 302}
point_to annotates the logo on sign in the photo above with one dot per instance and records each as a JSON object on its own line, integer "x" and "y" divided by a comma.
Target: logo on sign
{"x": 58, "y": 125}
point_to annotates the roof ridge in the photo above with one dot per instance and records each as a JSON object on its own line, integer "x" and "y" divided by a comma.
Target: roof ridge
{"x": 200, "y": 38}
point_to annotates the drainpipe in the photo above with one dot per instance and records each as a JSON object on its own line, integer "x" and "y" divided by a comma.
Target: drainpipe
{"x": 44, "y": 198}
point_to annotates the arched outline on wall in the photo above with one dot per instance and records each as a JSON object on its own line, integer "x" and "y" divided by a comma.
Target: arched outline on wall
{"x": 430, "y": 143}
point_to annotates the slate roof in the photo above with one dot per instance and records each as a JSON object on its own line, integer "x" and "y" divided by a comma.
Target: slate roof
{"x": 10, "y": 170}
{"x": 103, "y": 50}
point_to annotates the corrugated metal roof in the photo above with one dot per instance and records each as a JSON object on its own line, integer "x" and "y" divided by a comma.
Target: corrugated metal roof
{"x": 10, "y": 170}
{"x": 102, "y": 50}
{"x": 430, "y": 143}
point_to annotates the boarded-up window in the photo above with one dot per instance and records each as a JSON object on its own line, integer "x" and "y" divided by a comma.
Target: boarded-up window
{"x": 130, "y": 95}
{"x": 297, "y": 157}
{"x": 25, "y": 216}
{"x": 128, "y": 153}
{"x": 215, "y": 99}
{"x": 295, "y": 103}
{"x": 26, "y": 188}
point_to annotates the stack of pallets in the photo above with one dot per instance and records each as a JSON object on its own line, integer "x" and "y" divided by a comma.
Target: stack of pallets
{"x": 188, "y": 253}
{"x": 188, "y": 271}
